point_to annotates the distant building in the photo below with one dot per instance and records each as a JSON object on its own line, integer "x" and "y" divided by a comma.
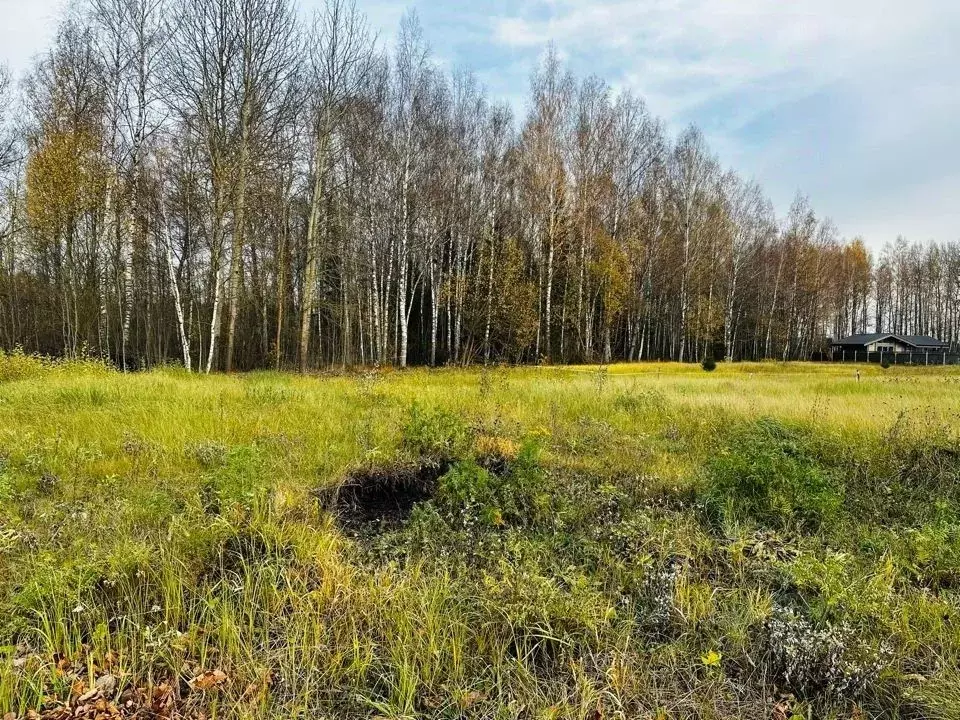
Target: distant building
{"x": 883, "y": 343}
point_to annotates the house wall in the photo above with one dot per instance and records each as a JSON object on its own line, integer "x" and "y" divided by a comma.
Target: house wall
{"x": 888, "y": 346}
{"x": 916, "y": 357}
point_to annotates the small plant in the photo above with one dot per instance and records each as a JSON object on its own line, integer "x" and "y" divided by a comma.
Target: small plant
{"x": 368, "y": 383}
{"x": 237, "y": 484}
{"x": 819, "y": 659}
{"x": 770, "y": 474}
{"x": 434, "y": 435}
{"x": 633, "y": 401}
{"x": 600, "y": 378}
{"x": 709, "y": 363}
{"x": 207, "y": 454}
{"x": 266, "y": 394}
{"x": 514, "y": 497}
{"x": 657, "y": 593}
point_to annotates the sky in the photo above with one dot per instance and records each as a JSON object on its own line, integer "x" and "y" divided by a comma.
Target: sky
{"x": 854, "y": 103}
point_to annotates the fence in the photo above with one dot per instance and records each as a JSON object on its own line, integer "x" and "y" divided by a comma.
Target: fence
{"x": 908, "y": 358}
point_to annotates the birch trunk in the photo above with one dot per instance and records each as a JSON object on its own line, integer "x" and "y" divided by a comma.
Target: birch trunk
{"x": 177, "y": 302}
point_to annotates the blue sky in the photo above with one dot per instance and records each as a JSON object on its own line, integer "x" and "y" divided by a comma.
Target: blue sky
{"x": 854, "y": 102}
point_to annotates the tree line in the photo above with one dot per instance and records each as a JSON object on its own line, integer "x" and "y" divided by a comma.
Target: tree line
{"x": 226, "y": 185}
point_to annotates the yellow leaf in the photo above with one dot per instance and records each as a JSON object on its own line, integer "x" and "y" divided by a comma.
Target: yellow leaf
{"x": 711, "y": 659}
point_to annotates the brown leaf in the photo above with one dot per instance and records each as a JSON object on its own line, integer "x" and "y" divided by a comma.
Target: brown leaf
{"x": 781, "y": 711}
{"x": 210, "y": 680}
{"x": 470, "y": 699}
{"x": 162, "y": 700}
{"x": 88, "y": 696}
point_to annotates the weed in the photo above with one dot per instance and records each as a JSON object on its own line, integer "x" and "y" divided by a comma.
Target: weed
{"x": 770, "y": 474}
{"x": 826, "y": 660}
{"x": 435, "y": 435}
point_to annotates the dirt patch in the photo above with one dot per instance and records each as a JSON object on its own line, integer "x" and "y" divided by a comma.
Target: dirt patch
{"x": 380, "y": 499}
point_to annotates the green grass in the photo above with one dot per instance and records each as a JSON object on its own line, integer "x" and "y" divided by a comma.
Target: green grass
{"x": 764, "y": 540}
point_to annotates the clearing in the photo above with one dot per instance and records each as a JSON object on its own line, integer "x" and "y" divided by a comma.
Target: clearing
{"x": 762, "y": 541}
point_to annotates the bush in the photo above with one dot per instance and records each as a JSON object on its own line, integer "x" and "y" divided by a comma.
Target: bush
{"x": 770, "y": 474}
{"x": 19, "y": 366}
{"x": 468, "y": 491}
{"x": 709, "y": 364}
{"x": 824, "y": 660}
{"x": 434, "y": 435}
{"x": 515, "y": 497}
{"x": 885, "y": 364}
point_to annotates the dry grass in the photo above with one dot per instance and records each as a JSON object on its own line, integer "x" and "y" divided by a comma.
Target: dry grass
{"x": 158, "y": 528}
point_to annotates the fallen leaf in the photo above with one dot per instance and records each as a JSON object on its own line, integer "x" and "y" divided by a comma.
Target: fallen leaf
{"x": 162, "y": 700}
{"x": 88, "y": 696}
{"x": 210, "y": 680}
{"x": 781, "y": 710}
{"x": 109, "y": 660}
{"x": 470, "y": 699}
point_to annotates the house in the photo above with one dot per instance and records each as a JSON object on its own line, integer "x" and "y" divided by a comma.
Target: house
{"x": 887, "y": 343}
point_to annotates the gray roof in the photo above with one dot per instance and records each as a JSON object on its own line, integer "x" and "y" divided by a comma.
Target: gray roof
{"x": 918, "y": 341}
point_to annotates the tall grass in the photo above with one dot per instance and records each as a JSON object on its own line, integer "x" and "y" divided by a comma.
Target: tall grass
{"x": 637, "y": 541}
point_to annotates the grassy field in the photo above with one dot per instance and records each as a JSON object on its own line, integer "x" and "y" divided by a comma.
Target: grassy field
{"x": 644, "y": 541}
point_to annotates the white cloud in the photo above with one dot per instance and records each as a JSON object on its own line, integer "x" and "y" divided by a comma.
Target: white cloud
{"x": 852, "y": 100}
{"x": 705, "y": 47}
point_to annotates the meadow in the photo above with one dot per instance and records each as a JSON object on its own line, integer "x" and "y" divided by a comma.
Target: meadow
{"x": 633, "y": 541}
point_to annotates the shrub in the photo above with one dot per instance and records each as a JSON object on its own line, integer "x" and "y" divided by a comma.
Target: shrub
{"x": 709, "y": 364}
{"x": 885, "y": 364}
{"x": 469, "y": 492}
{"x": 770, "y": 474}
{"x": 19, "y": 366}
{"x": 434, "y": 435}
{"x": 819, "y": 660}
